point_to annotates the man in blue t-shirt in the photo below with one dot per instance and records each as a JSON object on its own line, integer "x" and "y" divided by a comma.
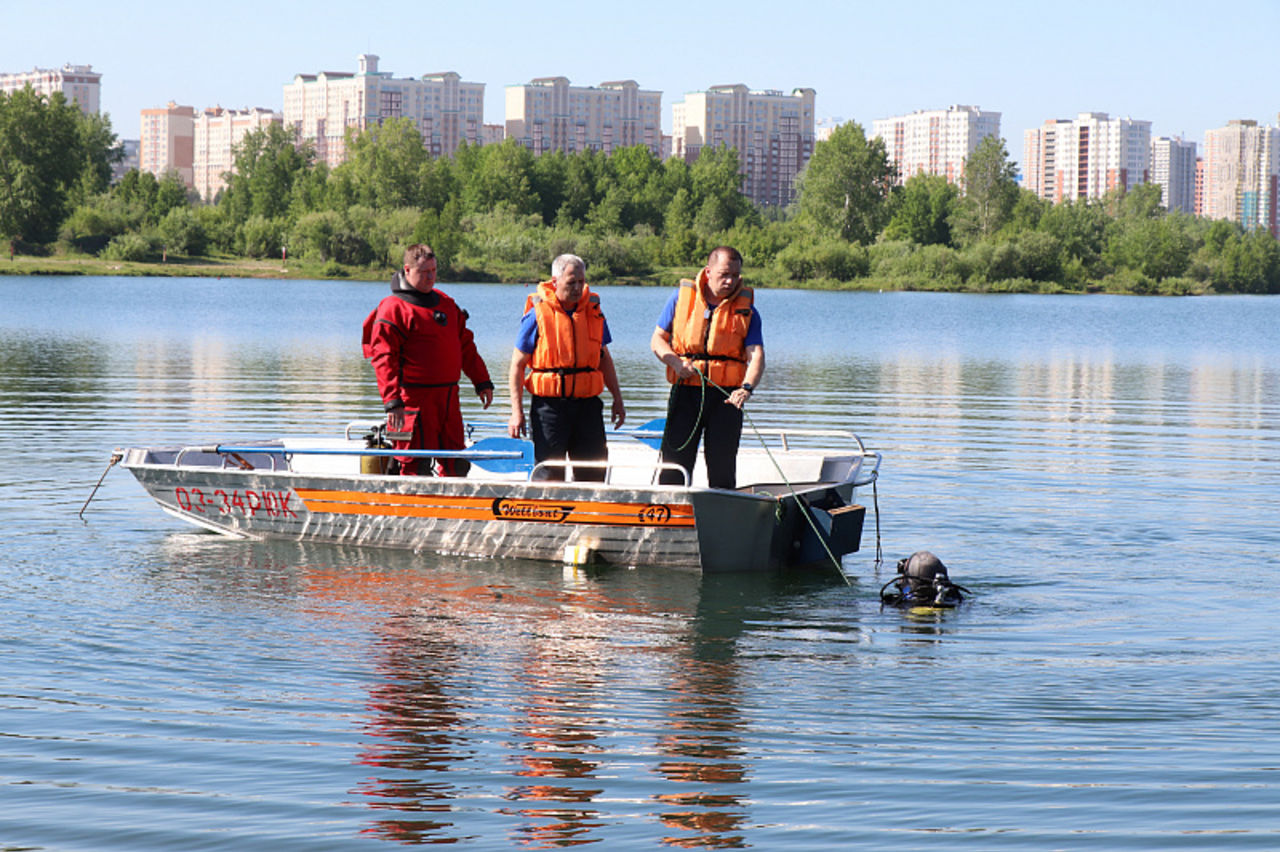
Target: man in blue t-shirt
{"x": 709, "y": 336}
{"x": 563, "y": 346}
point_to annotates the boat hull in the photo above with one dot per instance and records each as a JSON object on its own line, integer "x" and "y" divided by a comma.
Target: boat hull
{"x": 795, "y": 507}
{"x": 675, "y": 527}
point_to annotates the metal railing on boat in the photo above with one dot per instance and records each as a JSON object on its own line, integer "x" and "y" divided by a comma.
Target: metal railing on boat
{"x": 225, "y": 457}
{"x": 656, "y": 468}
{"x": 646, "y": 433}
{"x": 237, "y": 452}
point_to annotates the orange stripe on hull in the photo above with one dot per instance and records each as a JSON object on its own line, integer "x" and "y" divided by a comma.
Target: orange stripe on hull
{"x": 500, "y": 509}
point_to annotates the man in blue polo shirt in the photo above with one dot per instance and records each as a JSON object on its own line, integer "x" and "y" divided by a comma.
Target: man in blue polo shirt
{"x": 710, "y": 338}
{"x": 563, "y": 345}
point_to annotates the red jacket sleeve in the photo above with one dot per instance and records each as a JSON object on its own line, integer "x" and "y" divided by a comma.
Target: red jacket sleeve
{"x": 472, "y": 364}
{"x": 386, "y": 339}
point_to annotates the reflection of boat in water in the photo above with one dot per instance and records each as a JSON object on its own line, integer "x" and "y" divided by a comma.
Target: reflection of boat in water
{"x": 592, "y": 700}
{"x": 509, "y": 703}
{"x": 795, "y": 503}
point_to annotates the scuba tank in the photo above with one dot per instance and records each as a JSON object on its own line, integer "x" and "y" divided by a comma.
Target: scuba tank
{"x": 922, "y": 581}
{"x": 376, "y": 439}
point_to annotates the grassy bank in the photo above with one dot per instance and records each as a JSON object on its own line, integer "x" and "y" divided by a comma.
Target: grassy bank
{"x": 236, "y": 267}
{"x": 178, "y": 267}
{"x": 511, "y": 273}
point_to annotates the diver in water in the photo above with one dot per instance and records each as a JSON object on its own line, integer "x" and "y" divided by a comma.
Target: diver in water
{"x": 922, "y": 581}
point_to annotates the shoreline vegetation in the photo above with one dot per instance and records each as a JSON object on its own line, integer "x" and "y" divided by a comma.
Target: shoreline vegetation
{"x": 497, "y": 213}
{"x": 72, "y": 266}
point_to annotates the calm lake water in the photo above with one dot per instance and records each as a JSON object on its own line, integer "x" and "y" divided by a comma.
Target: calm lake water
{"x": 1102, "y": 472}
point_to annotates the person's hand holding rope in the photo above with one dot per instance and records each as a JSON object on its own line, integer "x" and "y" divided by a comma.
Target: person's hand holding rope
{"x": 683, "y": 367}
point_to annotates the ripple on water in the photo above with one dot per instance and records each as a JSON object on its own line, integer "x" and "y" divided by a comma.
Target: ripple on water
{"x": 1110, "y": 502}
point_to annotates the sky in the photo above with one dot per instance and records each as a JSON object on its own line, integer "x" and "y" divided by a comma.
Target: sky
{"x": 1184, "y": 66}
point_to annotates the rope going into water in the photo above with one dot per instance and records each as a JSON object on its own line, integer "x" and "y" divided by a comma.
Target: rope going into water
{"x": 115, "y": 457}
{"x": 705, "y": 380}
{"x": 702, "y": 401}
{"x": 875, "y": 499}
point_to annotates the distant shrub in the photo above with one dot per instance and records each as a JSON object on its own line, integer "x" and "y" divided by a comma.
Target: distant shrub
{"x": 91, "y": 229}
{"x": 259, "y": 236}
{"x": 1019, "y": 285}
{"x": 886, "y": 256}
{"x": 830, "y": 259}
{"x": 1181, "y": 287}
{"x": 333, "y": 269}
{"x": 128, "y": 247}
{"x": 183, "y": 233}
{"x": 312, "y": 234}
{"x": 1129, "y": 281}
{"x": 352, "y": 248}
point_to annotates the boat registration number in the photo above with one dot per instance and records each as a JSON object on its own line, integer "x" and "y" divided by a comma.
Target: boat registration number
{"x": 274, "y": 504}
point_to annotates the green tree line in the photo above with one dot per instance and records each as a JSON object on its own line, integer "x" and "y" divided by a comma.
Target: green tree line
{"x": 52, "y": 158}
{"x": 499, "y": 213}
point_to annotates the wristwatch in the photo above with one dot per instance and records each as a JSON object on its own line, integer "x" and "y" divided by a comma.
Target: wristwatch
{"x": 746, "y": 386}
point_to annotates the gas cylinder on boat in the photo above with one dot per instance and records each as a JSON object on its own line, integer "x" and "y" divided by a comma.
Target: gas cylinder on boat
{"x": 376, "y": 439}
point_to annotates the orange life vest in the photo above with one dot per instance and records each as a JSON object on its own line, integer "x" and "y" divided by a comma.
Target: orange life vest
{"x": 714, "y": 339}
{"x": 566, "y": 358}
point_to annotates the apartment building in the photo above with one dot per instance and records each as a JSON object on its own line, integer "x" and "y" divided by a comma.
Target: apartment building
{"x": 773, "y": 133}
{"x": 1241, "y": 169}
{"x": 1173, "y": 168}
{"x": 129, "y": 148}
{"x": 1199, "y": 186}
{"x": 1086, "y": 157}
{"x": 935, "y": 142}
{"x": 548, "y": 114}
{"x": 80, "y": 83}
{"x": 824, "y": 127}
{"x": 168, "y": 142}
{"x": 217, "y": 132}
{"x": 321, "y": 107}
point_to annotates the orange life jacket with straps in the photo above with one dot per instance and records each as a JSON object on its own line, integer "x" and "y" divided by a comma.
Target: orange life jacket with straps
{"x": 714, "y": 339}
{"x": 566, "y": 358}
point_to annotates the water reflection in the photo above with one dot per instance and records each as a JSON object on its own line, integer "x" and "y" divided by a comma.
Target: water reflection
{"x": 703, "y": 754}
{"x": 418, "y": 729}
{"x": 1063, "y": 462}
{"x": 418, "y": 732}
{"x": 560, "y": 717}
{"x": 530, "y": 701}
{"x": 519, "y": 665}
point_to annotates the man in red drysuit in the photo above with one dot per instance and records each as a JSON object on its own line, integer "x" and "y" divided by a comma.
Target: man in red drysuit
{"x": 420, "y": 346}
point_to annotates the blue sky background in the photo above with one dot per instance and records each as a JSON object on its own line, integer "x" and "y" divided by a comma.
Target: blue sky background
{"x": 1184, "y": 66}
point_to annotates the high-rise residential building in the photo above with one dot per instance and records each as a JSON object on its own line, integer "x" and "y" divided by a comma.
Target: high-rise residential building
{"x": 128, "y": 162}
{"x": 320, "y": 107}
{"x": 80, "y": 83}
{"x": 548, "y": 114}
{"x": 1173, "y": 167}
{"x": 824, "y": 127}
{"x": 1199, "y": 186}
{"x": 168, "y": 142}
{"x": 1241, "y": 169}
{"x": 217, "y": 133}
{"x": 772, "y": 132}
{"x": 935, "y": 142}
{"x": 1086, "y": 157}
{"x": 1040, "y": 152}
